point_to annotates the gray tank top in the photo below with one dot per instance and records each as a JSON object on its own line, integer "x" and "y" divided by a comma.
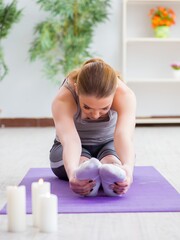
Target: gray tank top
{"x": 92, "y": 132}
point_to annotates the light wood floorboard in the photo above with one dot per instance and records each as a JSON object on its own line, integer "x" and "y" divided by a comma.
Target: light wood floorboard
{"x": 23, "y": 148}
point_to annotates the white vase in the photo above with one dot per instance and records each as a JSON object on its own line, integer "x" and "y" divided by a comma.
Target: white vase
{"x": 176, "y": 74}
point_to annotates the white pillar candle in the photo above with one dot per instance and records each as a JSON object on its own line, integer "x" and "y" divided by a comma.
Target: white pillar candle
{"x": 48, "y": 212}
{"x": 16, "y": 208}
{"x": 37, "y": 189}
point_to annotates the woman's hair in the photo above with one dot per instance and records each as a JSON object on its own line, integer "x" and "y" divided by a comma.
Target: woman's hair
{"x": 95, "y": 78}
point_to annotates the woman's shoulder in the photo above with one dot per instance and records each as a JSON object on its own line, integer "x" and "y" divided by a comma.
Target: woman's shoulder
{"x": 124, "y": 97}
{"x": 123, "y": 90}
{"x": 63, "y": 105}
{"x": 67, "y": 88}
{"x": 65, "y": 96}
{"x": 71, "y": 82}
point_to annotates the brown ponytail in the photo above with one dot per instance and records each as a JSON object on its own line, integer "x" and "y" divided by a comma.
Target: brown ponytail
{"x": 95, "y": 78}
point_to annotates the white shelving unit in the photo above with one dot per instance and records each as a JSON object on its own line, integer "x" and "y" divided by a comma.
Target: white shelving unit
{"x": 145, "y": 58}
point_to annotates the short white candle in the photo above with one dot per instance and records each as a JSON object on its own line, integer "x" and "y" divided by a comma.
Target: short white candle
{"x": 16, "y": 208}
{"x": 48, "y": 212}
{"x": 37, "y": 189}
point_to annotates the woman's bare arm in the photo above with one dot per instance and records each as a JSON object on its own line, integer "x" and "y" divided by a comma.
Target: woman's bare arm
{"x": 125, "y": 105}
{"x": 63, "y": 110}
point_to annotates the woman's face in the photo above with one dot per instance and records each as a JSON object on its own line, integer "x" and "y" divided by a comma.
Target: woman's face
{"x": 95, "y": 108}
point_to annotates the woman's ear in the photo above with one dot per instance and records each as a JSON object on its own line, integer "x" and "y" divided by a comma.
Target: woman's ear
{"x": 75, "y": 87}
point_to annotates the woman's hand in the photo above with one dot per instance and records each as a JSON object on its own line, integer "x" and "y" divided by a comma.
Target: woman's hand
{"x": 82, "y": 187}
{"x": 121, "y": 188}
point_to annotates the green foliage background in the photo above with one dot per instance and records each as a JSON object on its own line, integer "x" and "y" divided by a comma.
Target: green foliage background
{"x": 9, "y": 14}
{"x": 62, "y": 41}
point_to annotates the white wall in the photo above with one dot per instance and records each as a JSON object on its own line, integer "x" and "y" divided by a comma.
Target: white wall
{"x": 25, "y": 92}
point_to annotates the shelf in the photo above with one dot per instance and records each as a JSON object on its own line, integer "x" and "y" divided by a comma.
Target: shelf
{"x": 152, "y": 80}
{"x": 146, "y": 60}
{"x": 140, "y": 42}
{"x": 146, "y": 39}
{"x": 157, "y": 120}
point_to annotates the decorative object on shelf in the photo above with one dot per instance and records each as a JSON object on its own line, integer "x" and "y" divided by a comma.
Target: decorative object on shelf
{"x": 62, "y": 41}
{"x": 162, "y": 32}
{"x": 9, "y": 14}
{"x": 176, "y": 70}
{"x": 161, "y": 20}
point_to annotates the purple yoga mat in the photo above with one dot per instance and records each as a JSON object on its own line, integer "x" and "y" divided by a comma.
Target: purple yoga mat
{"x": 150, "y": 192}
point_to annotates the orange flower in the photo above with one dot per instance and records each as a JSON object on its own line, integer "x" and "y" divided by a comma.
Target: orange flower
{"x": 151, "y": 12}
{"x": 165, "y": 13}
{"x": 161, "y": 9}
{"x": 162, "y": 16}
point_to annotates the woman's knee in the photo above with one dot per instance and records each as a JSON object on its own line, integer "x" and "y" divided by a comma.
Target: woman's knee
{"x": 60, "y": 172}
{"x": 56, "y": 153}
{"x": 56, "y": 161}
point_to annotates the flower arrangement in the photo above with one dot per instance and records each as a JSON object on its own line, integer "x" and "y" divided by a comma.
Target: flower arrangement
{"x": 176, "y": 66}
{"x": 162, "y": 16}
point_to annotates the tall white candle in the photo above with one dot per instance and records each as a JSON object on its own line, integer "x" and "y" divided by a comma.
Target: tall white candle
{"x": 16, "y": 208}
{"x": 48, "y": 213}
{"x": 37, "y": 189}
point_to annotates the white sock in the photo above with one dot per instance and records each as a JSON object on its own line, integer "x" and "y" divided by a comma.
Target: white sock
{"x": 90, "y": 170}
{"x": 109, "y": 174}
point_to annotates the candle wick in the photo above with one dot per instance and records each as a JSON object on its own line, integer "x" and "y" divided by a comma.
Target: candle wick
{"x": 41, "y": 181}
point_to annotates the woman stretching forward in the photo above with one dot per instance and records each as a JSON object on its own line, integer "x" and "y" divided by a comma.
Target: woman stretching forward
{"x": 94, "y": 116}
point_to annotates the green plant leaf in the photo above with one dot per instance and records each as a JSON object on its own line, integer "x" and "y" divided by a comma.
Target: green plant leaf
{"x": 63, "y": 40}
{"x": 9, "y": 15}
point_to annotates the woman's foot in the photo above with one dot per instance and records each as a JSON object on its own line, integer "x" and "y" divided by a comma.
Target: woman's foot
{"x": 110, "y": 174}
{"x": 90, "y": 170}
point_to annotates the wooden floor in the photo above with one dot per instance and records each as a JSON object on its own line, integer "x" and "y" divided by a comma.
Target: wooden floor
{"x": 22, "y": 148}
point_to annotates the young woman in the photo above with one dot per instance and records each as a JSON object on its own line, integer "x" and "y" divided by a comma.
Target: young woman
{"x": 94, "y": 116}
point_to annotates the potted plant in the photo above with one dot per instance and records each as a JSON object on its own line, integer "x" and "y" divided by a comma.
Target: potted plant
{"x": 9, "y": 14}
{"x": 161, "y": 20}
{"x": 176, "y": 70}
{"x": 62, "y": 41}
